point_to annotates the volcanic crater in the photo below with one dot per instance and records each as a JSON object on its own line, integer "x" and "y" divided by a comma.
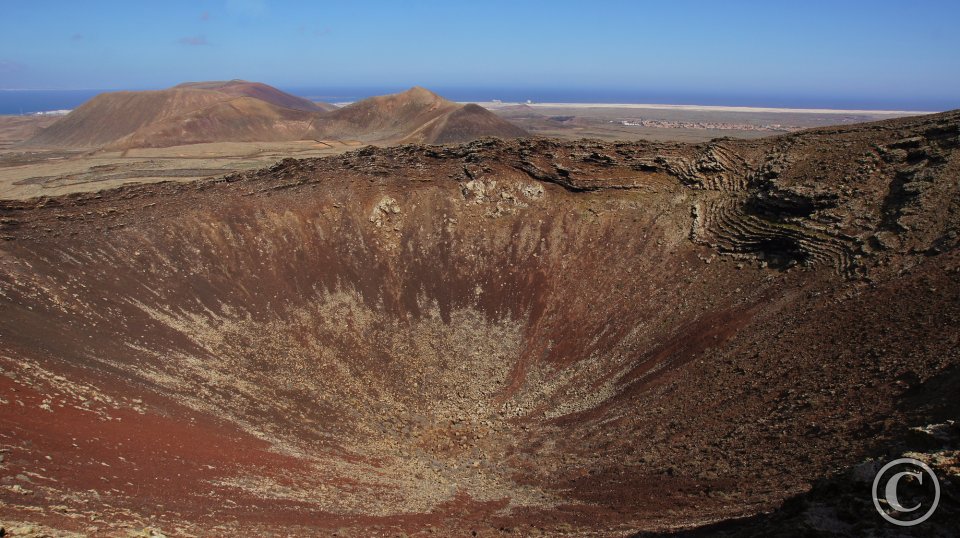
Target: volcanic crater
{"x": 493, "y": 338}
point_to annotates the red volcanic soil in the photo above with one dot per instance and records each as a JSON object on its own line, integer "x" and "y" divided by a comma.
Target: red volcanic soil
{"x": 523, "y": 337}
{"x": 83, "y": 440}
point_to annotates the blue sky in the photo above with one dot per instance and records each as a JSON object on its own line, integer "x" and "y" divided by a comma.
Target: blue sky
{"x": 898, "y": 52}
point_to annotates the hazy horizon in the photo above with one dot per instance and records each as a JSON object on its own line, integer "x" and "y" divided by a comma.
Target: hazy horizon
{"x": 27, "y": 101}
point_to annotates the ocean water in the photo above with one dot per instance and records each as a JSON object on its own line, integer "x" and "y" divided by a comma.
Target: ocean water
{"x": 31, "y": 101}
{"x": 28, "y": 101}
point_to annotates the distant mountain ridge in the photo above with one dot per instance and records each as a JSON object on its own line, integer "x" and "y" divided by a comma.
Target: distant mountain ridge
{"x": 259, "y": 90}
{"x": 416, "y": 115}
{"x": 241, "y": 111}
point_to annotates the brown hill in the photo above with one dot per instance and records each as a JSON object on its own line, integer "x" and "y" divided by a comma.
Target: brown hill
{"x": 194, "y": 112}
{"x": 524, "y": 338}
{"x": 240, "y": 111}
{"x": 109, "y": 117}
{"x": 416, "y": 115}
{"x": 240, "y": 119}
{"x": 463, "y": 124}
{"x": 15, "y": 129}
